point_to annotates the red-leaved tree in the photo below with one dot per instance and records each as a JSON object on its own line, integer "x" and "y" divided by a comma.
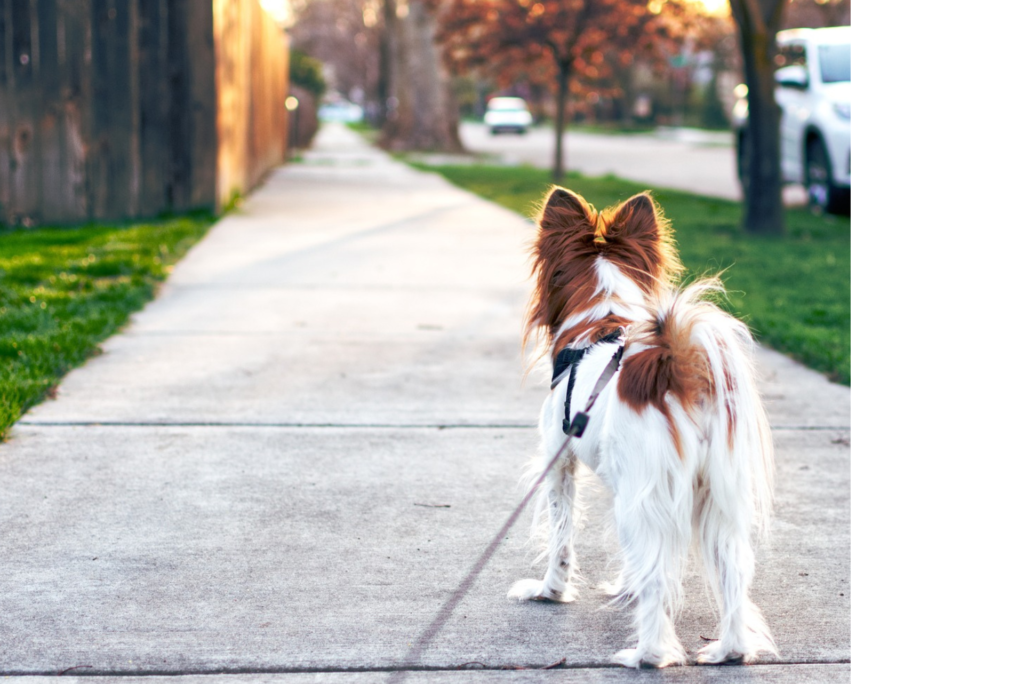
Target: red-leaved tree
{"x": 558, "y": 42}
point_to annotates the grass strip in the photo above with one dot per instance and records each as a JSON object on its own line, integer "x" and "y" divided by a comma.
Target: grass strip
{"x": 64, "y": 290}
{"x": 793, "y": 291}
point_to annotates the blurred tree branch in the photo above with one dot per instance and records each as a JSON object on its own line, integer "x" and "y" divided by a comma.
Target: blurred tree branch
{"x": 558, "y": 42}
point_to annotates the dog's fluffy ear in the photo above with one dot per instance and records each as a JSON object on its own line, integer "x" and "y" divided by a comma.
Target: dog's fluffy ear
{"x": 637, "y": 238}
{"x": 564, "y": 209}
{"x": 636, "y": 218}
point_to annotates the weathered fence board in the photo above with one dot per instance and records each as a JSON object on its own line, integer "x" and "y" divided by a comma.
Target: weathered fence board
{"x": 198, "y": 43}
{"x": 252, "y": 83}
{"x": 115, "y": 109}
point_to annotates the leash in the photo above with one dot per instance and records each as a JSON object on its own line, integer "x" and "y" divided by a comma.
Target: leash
{"x": 576, "y": 429}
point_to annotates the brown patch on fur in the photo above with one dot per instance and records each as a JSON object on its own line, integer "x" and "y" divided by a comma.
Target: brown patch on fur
{"x": 571, "y": 235}
{"x": 672, "y": 365}
{"x": 589, "y": 332}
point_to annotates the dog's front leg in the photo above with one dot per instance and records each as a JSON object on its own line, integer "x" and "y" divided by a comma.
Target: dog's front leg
{"x": 560, "y": 488}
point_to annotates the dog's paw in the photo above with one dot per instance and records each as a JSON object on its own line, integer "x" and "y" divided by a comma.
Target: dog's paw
{"x": 637, "y": 657}
{"x": 536, "y": 590}
{"x": 717, "y": 654}
{"x": 612, "y": 589}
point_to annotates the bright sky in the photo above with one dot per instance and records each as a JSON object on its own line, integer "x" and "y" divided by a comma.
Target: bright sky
{"x": 279, "y": 9}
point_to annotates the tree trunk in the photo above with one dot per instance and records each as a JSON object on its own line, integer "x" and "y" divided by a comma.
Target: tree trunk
{"x": 425, "y": 117}
{"x": 757, "y": 22}
{"x": 561, "y": 97}
{"x": 386, "y": 65}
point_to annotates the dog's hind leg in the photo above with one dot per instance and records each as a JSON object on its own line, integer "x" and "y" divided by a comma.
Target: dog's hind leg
{"x": 729, "y": 563}
{"x": 652, "y": 518}
{"x": 557, "y": 585}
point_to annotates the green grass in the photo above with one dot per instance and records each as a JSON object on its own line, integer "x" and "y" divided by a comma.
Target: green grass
{"x": 361, "y": 126}
{"x": 612, "y": 128}
{"x": 63, "y": 290}
{"x": 365, "y": 130}
{"x": 793, "y": 291}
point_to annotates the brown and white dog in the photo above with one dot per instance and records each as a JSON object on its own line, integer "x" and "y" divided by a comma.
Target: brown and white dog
{"x": 679, "y": 436}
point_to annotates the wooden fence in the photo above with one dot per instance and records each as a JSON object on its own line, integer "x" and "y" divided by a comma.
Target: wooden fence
{"x": 113, "y": 109}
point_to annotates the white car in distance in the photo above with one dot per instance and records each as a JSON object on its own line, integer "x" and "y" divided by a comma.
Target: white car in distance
{"x": 508, "y": 114}
{"x": 813, "y": 93}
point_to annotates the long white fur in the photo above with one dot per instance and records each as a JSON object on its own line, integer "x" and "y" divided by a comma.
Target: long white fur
{"x": 619, "y": 296}
{"x": 716, "y": 496}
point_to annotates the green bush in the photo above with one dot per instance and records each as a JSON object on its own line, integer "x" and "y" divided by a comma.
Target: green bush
{"x": 307, "y": 72}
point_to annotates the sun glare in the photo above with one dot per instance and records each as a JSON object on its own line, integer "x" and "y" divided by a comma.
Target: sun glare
{"x": 719, "y": 7}
{"x": 280, "y": 10}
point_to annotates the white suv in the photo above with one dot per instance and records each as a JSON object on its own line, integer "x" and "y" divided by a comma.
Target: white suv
{"x": 813, "y": 79}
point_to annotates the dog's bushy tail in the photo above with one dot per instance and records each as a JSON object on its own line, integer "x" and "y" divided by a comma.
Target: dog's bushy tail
{"x": 704, "y": 357}
{"x": 695, "y": 366}
{"x": 707, "y": 364}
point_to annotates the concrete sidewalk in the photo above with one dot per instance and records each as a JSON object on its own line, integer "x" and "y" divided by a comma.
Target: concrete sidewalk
{"x": 290, "y": 459}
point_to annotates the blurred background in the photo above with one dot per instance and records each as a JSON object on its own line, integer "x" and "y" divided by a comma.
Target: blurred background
{"x": 690, "y": 83}
{"x": 115, "y": 109}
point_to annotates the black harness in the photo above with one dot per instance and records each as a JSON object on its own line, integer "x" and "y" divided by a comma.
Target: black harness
{"x": 566, "y": 362}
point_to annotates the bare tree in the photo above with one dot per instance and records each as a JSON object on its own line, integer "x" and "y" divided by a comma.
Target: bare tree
{"x": 425, "y": 115}
{"x": 344, "y": 35}
{"x": 385, "y": 88}
{"x": 381, "y": 53}
{"x": 817, "y": 13}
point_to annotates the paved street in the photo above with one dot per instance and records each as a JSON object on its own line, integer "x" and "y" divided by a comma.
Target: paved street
{"x": 701, "y": 162}
{"x": 287, "y": 462}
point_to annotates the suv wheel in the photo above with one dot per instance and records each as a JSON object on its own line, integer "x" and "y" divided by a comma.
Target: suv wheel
{"x": 822, "y": 195}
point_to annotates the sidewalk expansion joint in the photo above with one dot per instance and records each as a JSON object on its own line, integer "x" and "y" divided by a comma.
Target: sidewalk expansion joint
{"x": 231, "y": 424}
{"x": 389, "y": 426}
{"x": 351, "y": 287}
{"x": 87, "y": 671}
{"x": 777, "y": 428}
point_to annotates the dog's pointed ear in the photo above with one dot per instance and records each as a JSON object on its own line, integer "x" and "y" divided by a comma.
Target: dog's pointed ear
{"x": 564, "y": 209}
{"x": 637, "y": 236}
{"x": 636, "y": 218}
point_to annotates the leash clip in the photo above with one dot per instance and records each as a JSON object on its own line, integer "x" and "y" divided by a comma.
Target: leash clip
{"x": 579, "y": 424}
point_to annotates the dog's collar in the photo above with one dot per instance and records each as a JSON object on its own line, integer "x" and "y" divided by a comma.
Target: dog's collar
{"x": 565, "y": 364}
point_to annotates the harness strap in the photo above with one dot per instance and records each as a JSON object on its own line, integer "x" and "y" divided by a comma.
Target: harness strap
{"x": 566, "y": 423}
{"x": 566, "y": 363}
{"x": 579, "y": 423}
